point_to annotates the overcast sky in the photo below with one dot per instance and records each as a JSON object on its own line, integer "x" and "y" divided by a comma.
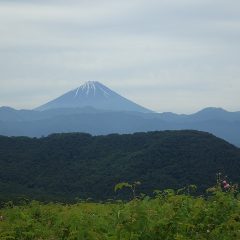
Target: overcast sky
{"x": 167, "y": 55}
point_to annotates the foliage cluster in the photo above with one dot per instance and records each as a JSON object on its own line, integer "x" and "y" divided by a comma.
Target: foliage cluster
{"x": 64, "y": 167}
{"x": 167, "y": 216}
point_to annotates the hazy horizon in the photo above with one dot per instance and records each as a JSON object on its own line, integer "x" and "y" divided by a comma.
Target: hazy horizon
{"x": 169, "y": 56}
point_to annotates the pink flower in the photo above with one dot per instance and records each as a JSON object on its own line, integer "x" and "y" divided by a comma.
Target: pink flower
{"x": 224, "y": 182}
{"x": 226, "y": 186}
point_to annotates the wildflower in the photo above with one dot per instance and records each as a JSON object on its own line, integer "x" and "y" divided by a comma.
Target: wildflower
{"x": 226, "y": 186}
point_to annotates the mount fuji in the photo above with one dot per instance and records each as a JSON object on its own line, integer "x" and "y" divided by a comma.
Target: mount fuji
{"x": 94, "y": 108}
{"x": 96, "y": 95}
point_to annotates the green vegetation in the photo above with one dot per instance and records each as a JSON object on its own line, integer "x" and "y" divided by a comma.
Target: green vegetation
{"x": 169, "y": 215}
{"x": 66, "y": 167}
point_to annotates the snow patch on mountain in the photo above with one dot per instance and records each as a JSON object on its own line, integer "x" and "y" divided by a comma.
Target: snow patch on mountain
{"x": 93, "y": 94}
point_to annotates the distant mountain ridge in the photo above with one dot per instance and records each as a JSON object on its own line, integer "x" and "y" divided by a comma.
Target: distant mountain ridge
{"x": 210, "y": 113}
{"x": 93, "y": 94}
{"x": 32, "y": 123}
{"x": 94, "y": 108}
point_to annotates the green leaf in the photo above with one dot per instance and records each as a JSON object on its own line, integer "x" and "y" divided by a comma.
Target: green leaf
{"x": 121, "y": 185}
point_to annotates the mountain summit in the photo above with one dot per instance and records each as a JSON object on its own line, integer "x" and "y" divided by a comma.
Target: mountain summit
{"x": 96, "y": 95}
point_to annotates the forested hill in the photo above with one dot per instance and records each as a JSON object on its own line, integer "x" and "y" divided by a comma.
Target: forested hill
{"x": 67, "y": 166}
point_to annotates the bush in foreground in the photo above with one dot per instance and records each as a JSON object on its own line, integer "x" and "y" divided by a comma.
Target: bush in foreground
{"x": 169, "y": 215}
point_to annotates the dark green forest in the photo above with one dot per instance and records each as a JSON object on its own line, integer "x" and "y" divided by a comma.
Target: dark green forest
{"x": 66, "y": 167}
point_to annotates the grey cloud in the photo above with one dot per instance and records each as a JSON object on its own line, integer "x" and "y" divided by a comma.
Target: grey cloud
{"x": 151, "y": 51}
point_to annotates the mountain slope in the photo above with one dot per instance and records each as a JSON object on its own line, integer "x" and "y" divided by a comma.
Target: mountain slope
{"x": 13, "y": 122}
{"x": 65, "y": 166}
{"x": 93, "y": 94}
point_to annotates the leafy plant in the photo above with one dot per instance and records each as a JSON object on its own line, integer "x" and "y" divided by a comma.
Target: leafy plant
{"x": 132, "y": 186}
{"x": 169, "y": 215}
